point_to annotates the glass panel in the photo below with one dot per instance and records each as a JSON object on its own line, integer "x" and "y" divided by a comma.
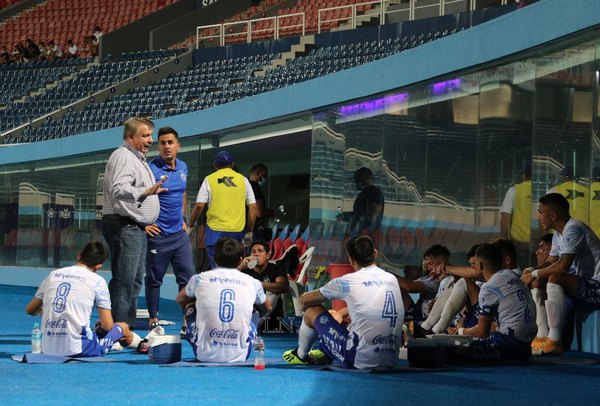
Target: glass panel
{"x": 565, "y": 82}
{"x": 595, "y": 182}
{"x": 505, "y": 154}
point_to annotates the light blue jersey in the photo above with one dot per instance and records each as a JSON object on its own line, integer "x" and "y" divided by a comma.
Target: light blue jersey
{"x": 376, "y": 310}
{"x": 508, "y": 301}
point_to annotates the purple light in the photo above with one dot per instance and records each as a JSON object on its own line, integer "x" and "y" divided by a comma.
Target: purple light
{"x": 373, "y": 105}
{"x": 445, "y": 86}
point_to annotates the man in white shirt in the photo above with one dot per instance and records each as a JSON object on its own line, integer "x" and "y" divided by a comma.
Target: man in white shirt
{"x": 375, "y": 310}
{"x": 66, "y": 299}
{"x": 572, "y": 269}
{"x": 505, "y": 301}
{"x": 219, "y": 307}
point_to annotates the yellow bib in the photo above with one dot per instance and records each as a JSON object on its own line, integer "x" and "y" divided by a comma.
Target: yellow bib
{"x": 227, "y": 208}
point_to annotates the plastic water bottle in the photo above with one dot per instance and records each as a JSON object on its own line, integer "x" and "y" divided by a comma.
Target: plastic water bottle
{"x": 259, "y": 353}
{"x": 252, "y": 263}
{"x": 36, "y": 339}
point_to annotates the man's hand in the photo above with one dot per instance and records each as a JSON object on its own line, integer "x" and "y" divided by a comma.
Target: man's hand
{"x": 152, "y": 230}
{"x": 438, "y": 272}
{"x": 156, "y": 188}
{"x": 527, "y": 277}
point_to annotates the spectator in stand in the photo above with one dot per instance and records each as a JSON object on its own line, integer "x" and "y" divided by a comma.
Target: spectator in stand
{"x": 24, "y": 53}
{"x": 72, "y": 50}
{"x": 43, "y": 51}
{"x": 4, "y": 55}
{"x": 97, "y": 33}
{"x": 54, "y": 51}
{"x": 34, "y": 50}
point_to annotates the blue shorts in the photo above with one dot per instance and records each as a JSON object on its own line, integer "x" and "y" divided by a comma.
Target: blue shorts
{"x": 499, "y": 347}
{"x": 100, "y": 344}
{"x": 212, "y": 236}
{"x": 589, "y": 292}
{"x": 336, "y": 340}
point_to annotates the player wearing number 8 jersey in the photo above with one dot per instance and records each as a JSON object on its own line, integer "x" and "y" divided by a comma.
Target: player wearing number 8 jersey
{"x": 375, "y": 311}
{"x": 66, "y": 299}
{"x": 218, "y": 307}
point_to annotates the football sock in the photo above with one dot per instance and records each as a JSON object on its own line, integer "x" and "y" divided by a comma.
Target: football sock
{"x": 456, "y": 301}
{"x": 555, "y": 307}
{"x": 135, "y": 341}
{"x": 436, "y": 310}
{"x": 306, "y": 338}
{"x": 541, "y": 318}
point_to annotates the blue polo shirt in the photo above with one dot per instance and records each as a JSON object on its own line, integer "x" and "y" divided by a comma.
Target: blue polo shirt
{"x": 170, "y": 218}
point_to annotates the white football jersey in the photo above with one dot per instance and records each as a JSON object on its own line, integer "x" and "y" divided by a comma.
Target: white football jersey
{"x": 578, "y": 239}
{"x": 69, "y": 295}
{"x": 377, "y": 313}
{"x": 224, "y": 303}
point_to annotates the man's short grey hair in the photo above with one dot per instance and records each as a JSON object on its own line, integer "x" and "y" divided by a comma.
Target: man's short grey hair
{"x": 132, "y": 125}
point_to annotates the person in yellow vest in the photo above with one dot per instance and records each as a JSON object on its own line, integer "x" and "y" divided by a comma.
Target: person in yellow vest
{"x": 227, "y": 193}
{"x": 515, "y": 213}
{"x": 595, "y": 201}
{"x": 575, "y": 193}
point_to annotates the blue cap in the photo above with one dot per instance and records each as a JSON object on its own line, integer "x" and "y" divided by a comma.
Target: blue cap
{"x": 223, "y": 158}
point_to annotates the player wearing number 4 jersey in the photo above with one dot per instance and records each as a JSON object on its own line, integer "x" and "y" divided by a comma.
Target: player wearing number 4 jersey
{"x": 375, "y": 310}
{"x": 66, "y": 299}
{"x": 218, "y": 307}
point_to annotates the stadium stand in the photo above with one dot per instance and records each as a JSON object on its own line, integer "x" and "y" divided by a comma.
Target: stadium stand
{"x": 219, "y": 75}
{"x": 60, "y": 20}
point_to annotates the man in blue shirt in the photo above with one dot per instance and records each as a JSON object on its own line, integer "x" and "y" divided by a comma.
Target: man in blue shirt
{"x": 168, "y": 240}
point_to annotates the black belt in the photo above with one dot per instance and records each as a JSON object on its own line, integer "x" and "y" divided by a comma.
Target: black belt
{"x": 123, "y": 220}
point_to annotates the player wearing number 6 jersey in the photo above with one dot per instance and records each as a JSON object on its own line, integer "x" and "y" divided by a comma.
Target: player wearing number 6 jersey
{"x": 66, "y": 299}
{"x": 374, "y": 307}
{"x": 218, "y": 307}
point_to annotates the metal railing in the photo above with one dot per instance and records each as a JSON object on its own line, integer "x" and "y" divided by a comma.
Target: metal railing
{"x": 258, "y": 28}
{"x": 332, "y": 17}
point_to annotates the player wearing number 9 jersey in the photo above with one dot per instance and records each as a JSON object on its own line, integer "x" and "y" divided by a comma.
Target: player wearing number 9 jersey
{"x": 66, "y": 298}
{"x": 374, "y": 307}
{"x": 218, "y": 307}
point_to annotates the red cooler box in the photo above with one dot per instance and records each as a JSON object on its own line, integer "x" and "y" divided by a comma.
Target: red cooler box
{"x": 337, "y": 270}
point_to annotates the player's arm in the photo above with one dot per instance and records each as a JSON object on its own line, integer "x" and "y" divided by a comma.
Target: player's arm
{"x": 183, "y": 299}
{"x": 265, "y": 307}
{"x": 185, "y": 227}
{"x": 462, "y": 271}
{"x": 481, "y": 330}
{"x": 412, "y": 286}
{"x": 313, "y": 298}
{"x": 281, "y": 285}
{"x": 106, "y": 319}
{"x": 196, "y": 212}
{"x": 505, "y": 219}
{"x": 559, "y": 267}
{"x": 251, "y": 217}
{"x": 552, "y": 266}
{"x": 34, "y": 307}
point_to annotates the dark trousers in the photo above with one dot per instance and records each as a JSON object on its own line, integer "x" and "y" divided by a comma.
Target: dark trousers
{"x": 127, "y": 244}
{"x": 174, "y": 249}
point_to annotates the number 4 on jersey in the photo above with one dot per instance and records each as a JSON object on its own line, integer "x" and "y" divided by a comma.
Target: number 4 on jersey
{"x": 389, "y": 309}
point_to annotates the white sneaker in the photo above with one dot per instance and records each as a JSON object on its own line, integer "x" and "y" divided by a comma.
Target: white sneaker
{"x": 117, "y": 347}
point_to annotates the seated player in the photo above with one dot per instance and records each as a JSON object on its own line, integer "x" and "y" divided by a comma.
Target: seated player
{"x": 430, "y": 288}
{"x": 464, "y": 293}
{"x": 572, "y": 270}
{"x": 374, "y": 307}
{"x": 66, "y": 298}
{"x": 218, "y": 307}
{"x": 505, "y": 300}
{"x": 274, "y": 280}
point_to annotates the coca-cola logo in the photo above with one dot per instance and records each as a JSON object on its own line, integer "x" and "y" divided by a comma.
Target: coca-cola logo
{"x": 228, "y": 333}
{"x": 391, "y": 339}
